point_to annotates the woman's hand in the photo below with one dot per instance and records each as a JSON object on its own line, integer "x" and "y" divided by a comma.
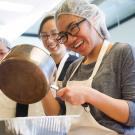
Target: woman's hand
{"x": 115, "y": 108}
{"x": 75, "y": 95}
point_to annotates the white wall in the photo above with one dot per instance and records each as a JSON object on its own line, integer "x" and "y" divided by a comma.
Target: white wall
{"x": 28, "y": 40}
{"x": 124, "y": 33}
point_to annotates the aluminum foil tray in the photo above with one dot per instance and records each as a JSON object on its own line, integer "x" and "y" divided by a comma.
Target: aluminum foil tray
{"x": 44, "y": 125}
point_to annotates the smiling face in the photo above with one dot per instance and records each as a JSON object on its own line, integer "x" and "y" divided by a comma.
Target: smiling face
{"x": 86, "y": 38}
{"x": 49, "y": 32}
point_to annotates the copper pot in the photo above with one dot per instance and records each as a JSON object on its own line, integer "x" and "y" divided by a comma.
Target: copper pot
{"x": 25, "y": 73}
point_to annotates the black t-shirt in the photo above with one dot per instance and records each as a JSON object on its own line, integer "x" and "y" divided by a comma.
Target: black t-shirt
{"x": 70, "y": 59}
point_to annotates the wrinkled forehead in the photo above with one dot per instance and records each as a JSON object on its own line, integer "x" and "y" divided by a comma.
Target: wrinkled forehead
{"x": 64, "y": 20}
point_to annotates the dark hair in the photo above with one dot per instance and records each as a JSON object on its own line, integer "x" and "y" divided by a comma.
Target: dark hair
{"x": 44, "y": 21}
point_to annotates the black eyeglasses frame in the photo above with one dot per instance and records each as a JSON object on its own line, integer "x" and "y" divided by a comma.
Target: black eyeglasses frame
{"x": 65, "y": 34}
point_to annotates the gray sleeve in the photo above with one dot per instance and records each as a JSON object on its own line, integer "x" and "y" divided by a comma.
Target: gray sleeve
{"x": 131, "y": 120}
{"x": 128, "y": 82}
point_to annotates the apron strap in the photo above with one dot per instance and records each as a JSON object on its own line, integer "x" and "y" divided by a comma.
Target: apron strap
{"x": 62, "y": 63}
{"x": 98, "y": 62}
{"x": 76, "y": 68}
{"x": 99, "y": 59}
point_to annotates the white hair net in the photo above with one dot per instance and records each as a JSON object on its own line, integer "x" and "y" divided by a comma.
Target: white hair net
{"x": 5, "y": 42}
{"x": 82, "y": 8}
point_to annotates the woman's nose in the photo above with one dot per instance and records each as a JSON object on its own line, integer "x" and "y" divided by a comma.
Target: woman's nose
{"x": 51, "y": 38}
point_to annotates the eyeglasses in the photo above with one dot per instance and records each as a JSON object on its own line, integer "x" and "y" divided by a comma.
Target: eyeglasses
{"x": 72, "y": 30}
{"x": 45, "y": 36}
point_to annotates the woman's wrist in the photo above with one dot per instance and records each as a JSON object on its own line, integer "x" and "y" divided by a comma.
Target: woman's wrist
{"x": 90, "y": 95}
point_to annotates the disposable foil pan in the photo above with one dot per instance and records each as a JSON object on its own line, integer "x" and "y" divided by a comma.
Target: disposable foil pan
{"x": 44, "y": 125}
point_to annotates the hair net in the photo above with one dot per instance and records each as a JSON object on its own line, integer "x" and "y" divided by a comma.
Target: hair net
{"x": 5, "y": 42}
{"x": 83, "y": 8}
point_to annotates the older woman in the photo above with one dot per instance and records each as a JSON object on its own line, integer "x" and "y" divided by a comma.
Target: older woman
{"x": 8, "y": 107}
{"x": 100, "y": 87}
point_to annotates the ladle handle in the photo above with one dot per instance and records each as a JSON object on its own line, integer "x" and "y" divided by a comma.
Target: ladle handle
{"x": 55, "y": 87}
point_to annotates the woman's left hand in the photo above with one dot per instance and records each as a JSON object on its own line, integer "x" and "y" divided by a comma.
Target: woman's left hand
{"x": 75, "y": 95}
